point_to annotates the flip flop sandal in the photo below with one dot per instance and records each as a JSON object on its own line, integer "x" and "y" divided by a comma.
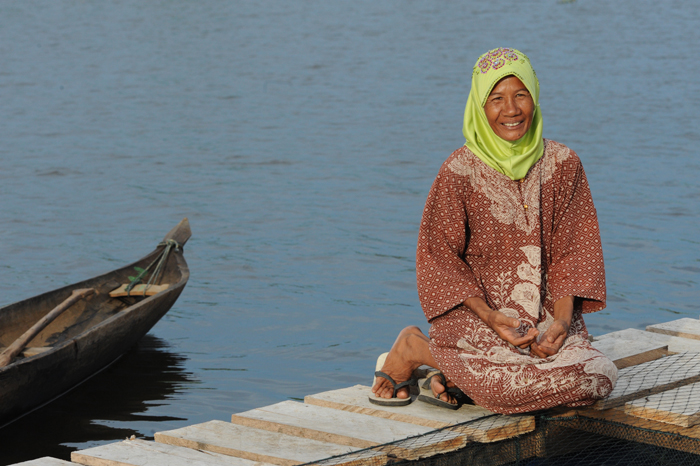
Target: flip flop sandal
{"x": 393, "y": 401}
{"x": 426, "y": 392}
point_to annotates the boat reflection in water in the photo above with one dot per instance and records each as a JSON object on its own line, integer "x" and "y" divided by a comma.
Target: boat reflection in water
{"x": 117, "y": 403}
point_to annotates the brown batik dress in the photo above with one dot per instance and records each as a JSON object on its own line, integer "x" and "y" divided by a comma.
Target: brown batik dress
{"x": 519, "y": 245}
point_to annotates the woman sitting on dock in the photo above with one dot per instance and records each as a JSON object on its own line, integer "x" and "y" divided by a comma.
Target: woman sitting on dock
{"x": 509, "y": 258}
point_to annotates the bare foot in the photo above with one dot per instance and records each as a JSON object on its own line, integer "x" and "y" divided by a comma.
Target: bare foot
{"x": 403, "y": 359}
{"x": 438, "y": 389}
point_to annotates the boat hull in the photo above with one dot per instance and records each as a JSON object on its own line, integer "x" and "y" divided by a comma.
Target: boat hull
{"x": 33, "y": 381}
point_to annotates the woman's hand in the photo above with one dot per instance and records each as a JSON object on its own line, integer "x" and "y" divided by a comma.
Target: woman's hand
{"x": 507, "y": 328}
{"x": 504, "y": 326}
{"x": 553, "y": 339}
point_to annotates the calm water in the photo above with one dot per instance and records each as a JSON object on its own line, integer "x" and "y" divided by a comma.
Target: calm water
{"x": 301, "y": 138}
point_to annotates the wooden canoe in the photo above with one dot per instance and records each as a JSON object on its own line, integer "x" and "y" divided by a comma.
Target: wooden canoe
{"x": 90, "y": 333}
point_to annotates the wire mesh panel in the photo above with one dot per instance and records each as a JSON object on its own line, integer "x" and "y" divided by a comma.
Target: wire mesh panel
{"x": 651, "y": 418}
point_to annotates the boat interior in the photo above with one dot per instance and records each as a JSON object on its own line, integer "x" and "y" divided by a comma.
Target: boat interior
{"x": 110, "y": 298}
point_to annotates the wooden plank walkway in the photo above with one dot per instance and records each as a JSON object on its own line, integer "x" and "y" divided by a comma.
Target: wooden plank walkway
{"x": 354, "y": 399}
{"x": 252, "y": 444}
{"x": 680, "y": 406}
{"x": 675, "y": 344}
{"x": 45, "y": 461}
{"x": 686, "y": 328}
{"x": 327, "y": 424}
{"x": 625, "y": 353}
{"x": 143, "y": 453}
{"x": 653, "y": 377}
{"x": 658, "y": 390}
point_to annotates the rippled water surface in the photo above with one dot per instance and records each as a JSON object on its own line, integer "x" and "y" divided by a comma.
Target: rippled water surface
{"x": 300, "y": 139}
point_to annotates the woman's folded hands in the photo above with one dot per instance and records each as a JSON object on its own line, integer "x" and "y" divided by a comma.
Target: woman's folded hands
{"x": 549, "y": 343}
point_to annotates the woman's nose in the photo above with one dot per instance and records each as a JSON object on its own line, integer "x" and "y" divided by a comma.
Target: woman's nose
{"x": 510, "y": 108}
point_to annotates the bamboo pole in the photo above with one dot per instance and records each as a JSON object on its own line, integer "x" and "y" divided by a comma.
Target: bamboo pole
{"x": 18, "y": 345}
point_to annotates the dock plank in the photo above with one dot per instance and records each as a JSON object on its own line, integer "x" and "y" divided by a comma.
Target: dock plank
{"x": 647, "y": 431}
{"x": 496, "y": 428}
{"x": 680, "y": 406}
{"x": 253, "y": 444}
{"x": 484, "y": 430}
{"x": 685, "y": 328}
{"x": 144, "y": 453}
{"x": 653, "y": 377}
{"x": 675, "y": 344}
{"x": 625, "y": 353}
{"x": 327, "y": 424}
{"x": 363, "y": 431}
{"x": 354, "y": 399}
{"x": 435, "y": 443}
{"x": 45, "y": 461}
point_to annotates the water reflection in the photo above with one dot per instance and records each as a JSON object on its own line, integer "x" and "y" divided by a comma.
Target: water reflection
{"x": 119, "y": 402}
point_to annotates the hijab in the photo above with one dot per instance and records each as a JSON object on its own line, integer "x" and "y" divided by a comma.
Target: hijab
{"x": 512, "y": 158}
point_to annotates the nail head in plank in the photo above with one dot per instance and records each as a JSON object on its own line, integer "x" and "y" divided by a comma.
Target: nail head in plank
{"x": 144, "y": 453}
{"x": 625, "y": 353}
{"x": 253, "y": 444}
{"x": 355, "y": 399}
{"x": 327, "y": 424}
{"x": 680, "y": 406}
{"x": 45, "y": 461}
{"x": 686, "y": 328}
{"x": 653, "y": 377}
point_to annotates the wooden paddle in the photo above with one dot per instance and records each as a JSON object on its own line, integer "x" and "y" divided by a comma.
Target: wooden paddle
{"x": 18, "y": 345}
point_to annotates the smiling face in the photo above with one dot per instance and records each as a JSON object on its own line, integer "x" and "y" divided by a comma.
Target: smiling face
{"x": 509, "y": 109}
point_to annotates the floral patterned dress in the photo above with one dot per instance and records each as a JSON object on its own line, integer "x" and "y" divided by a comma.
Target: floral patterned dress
{"x": 520, "y": 246}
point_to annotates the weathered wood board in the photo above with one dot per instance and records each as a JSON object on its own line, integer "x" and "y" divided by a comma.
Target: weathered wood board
{"x": 327, "y": 424}
{"x": 45, "y": 461}
{"x": 675, "y": 344}
{"x": 138, "y": 290}
{"x": 686, "y": 328}
{"x": 482, "y": 430}
{"x": 625, "y": 353}
{"x": 450, "y": 439}
{"x": 680, "y": 406}
{"x": 32, "y": 351}
{"x": 436, "y": 443}
{"x": 253, "y": 444}
{"x": 647, "y": 431}
{"x": 360, "y": 458}
{"x": 499, "y": 427}
{"x": 653, "y": 377}
{"x": 355, "y": 399}
{"x": 143, "y": 453}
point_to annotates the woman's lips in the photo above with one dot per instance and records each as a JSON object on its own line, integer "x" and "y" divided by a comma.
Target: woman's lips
{"x": 512, "y": 125}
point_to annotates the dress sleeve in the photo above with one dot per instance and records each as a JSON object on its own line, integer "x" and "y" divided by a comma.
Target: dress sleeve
{"x": 576, "y": 255}
{"x": 444, "y": 279}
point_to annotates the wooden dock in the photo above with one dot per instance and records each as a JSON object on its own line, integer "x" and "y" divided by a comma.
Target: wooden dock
{"x": 658, "y": 391}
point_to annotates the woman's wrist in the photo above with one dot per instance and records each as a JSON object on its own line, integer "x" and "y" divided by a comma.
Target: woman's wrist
{"x": 479, "y": 307}
{"x": 564, "y": 323}
{"x": 564, "y": 310}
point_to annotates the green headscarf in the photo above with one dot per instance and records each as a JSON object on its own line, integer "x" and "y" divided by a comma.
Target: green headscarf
{"x": 512, "y": 158}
